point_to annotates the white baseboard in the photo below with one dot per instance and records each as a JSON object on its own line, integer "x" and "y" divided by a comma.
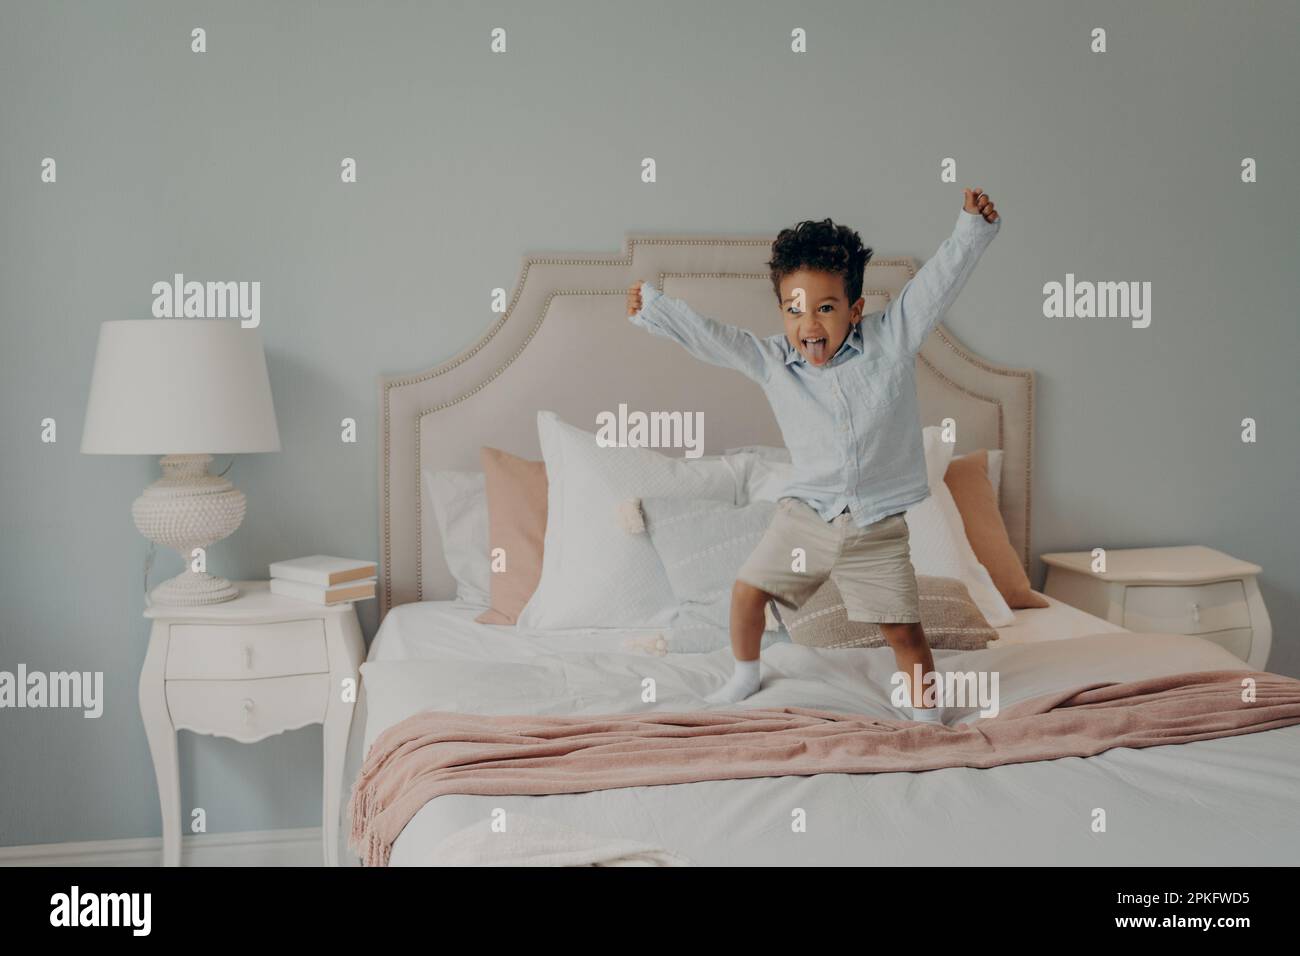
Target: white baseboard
{"x": 251, "y": 848}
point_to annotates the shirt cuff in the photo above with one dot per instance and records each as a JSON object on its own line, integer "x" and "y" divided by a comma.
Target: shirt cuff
{"x": 976, "y": 224}
{"x": 648, "y": 294}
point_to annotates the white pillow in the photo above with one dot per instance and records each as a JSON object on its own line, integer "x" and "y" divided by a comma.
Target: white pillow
{"x": 761, "y": 478}
{"x": 995, "y": 473}
{"x": 938, "y": 537}
{"x": 594, "y": 574}
{"x": 459, "y": 502}
{"x": 938, "y": 455}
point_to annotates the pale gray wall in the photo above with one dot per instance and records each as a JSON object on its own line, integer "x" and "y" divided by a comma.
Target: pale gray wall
{"x": 225, "y": 166}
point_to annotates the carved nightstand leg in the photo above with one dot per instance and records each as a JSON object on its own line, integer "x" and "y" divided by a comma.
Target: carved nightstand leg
{"x": 346, "y": 651}
{"x": 162, "y": 742}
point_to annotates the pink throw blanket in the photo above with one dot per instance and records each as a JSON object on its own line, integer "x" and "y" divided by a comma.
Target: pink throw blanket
{"x": 436, "y": 753}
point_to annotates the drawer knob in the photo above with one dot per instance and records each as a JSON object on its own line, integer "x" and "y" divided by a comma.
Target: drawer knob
{"x": 248, "y": 658}
{"x": 1196, "y": 612}
{"x": 248, "y": 710}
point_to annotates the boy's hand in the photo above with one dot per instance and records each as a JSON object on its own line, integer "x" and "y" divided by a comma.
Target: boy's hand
{"x": 978, "y": 203}
{"x": 634, "y": 298}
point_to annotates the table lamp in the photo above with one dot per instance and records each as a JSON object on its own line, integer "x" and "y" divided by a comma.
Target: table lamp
{"x": 184, "y": 389}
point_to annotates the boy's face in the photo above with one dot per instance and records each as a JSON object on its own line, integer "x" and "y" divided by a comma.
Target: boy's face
{"x": 820, "y": 326}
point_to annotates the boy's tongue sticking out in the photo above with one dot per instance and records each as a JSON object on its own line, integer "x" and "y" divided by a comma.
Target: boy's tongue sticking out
{"x": 815, "y": 349}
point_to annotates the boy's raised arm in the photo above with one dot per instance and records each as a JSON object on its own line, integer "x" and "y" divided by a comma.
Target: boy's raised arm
{"x": 926, "y": 297}
{"x": 707, "y": 339}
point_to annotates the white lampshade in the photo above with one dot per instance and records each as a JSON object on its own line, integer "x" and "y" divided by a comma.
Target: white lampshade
{"x": 179, "y": 386}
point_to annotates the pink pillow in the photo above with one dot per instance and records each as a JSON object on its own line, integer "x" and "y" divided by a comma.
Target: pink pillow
{"x": 968, "y": 480}
{"x": 516, "y": 499}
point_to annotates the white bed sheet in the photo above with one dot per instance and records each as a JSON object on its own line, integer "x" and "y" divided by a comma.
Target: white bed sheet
{"x": 438, "y": 628}
{"x": 1056, "y": 622}
{"x": 429, "y": 629}
{"x": 1232, "y": 800}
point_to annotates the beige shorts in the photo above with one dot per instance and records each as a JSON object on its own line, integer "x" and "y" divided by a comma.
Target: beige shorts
{"x": 871, "y": 566}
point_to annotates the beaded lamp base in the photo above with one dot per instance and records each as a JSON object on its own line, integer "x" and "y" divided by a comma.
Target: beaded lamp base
{"x": 188, "y": 509}
{"x": 193, "y": 588}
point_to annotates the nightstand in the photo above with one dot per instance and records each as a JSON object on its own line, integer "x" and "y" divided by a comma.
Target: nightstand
{"x": 1191, "y": 590}
{"x": 248, "y": 669}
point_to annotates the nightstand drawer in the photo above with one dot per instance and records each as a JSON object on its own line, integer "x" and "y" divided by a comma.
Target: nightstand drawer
{"x": 1187, "y": 610}
{"x": 228, "y": 652}
{"x": 248, "y": 710}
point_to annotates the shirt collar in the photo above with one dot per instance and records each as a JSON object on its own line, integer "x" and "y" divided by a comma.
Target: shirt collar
{"x": 853, "y": 341}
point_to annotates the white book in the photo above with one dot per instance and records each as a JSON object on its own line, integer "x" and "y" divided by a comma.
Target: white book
{"x": 324, "y": 571}
{"x": 351, "y": 591}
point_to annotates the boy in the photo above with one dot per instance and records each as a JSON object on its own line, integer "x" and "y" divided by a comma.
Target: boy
{"x": 843, "y": 388}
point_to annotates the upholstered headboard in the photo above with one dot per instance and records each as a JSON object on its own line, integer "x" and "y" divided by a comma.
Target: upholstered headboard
{"x": 565, "y": 344}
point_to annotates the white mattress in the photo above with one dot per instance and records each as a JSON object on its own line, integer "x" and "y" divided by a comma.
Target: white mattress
{"x": 1226, "y": 801}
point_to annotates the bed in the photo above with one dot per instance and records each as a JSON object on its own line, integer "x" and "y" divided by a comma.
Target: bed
{"x": 1229, "y": 800}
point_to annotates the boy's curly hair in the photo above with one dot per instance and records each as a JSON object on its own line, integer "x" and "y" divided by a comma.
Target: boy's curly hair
{"x": 824, "y": 247}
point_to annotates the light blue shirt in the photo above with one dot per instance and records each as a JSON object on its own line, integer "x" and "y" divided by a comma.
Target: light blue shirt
{"x": 853, "y": 425}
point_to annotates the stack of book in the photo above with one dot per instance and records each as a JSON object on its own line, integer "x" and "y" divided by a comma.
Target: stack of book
{"x": 322, "y": 579}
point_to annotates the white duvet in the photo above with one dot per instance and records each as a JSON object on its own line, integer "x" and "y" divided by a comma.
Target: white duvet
{"x": 1227, "y": 801}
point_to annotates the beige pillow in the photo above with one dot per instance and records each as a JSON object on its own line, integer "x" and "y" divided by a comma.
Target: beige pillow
{"x": 968, "y": 480}
{"x": 950, "y": 619}
{"x": 516, "y": 499}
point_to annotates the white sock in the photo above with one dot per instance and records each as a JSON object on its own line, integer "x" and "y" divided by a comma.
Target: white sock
{"x": 744, "y": 681}
{"x": 928, "y": 714}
